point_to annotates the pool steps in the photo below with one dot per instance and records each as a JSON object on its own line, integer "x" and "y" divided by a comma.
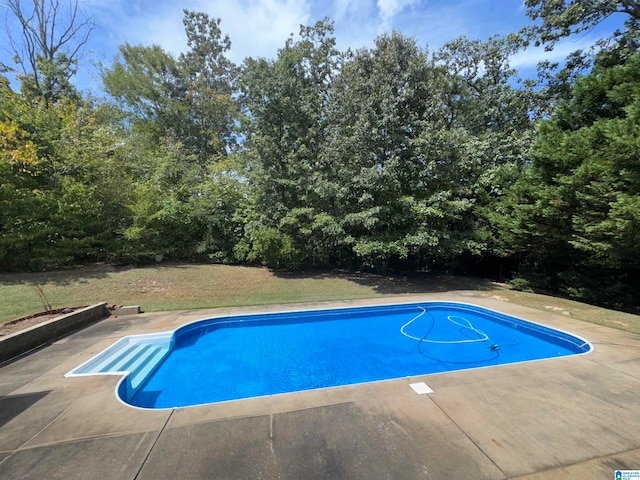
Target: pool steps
{"x": 135, "y": 356}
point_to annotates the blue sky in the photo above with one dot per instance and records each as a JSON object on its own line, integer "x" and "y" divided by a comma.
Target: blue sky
{"x": 257, "y": 28}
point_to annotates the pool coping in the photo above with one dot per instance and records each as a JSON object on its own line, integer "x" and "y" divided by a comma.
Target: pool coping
{"x": 168, "y": 337}
{"x": 558, "y": 418}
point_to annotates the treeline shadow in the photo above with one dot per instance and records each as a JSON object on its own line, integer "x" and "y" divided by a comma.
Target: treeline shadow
{"x": 62, "y": 276}
{"x": 399, "y": 283}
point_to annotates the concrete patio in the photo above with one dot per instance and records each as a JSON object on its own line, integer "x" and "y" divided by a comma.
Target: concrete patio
{"x": 567, "y": 418}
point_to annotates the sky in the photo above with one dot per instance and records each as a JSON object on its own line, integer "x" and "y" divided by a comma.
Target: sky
{"x": 258, "y": 28}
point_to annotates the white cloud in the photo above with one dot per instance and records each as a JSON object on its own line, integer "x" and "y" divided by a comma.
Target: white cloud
{"x": 353, "y": 11}
{"x": 341, "y": 8}
{"x": 387, "y": 9}
{"x": 256, "y": 27}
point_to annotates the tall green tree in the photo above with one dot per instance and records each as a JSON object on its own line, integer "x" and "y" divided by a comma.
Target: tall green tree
{"x": 573, "y": 218}
{"x": 420, "y": 144}
{"x": 188, "y": 98}
{"x": 209, "y": 81}
{"x": 478, "y": 87}
{"x": 481, "y": 143}
{"x": 181, "y": 122}
{"x": 286, "y": 124}
{"x": 145, "y": 82}
{"x": 380, "y": 105}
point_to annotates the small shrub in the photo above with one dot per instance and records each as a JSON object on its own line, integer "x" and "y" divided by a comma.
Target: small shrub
{"x": 520, "y": 284}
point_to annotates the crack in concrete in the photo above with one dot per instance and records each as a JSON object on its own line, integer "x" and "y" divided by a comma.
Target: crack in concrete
{"x": 470, "y": 439}
{"x": 146, "y": 458}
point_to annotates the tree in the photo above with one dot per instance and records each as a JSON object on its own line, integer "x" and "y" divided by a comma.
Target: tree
{"x": 63, "y": 190}
{"x": 49, "y": 43}
{"x": 146, "y": 83}
{"x": 286, "y": 123}
{"x": 374, "y": 158}
{"x": 570, "y": 17}
{"x": 573, "y": 218}
{"x": 181, "y": 125}
{"x": 188, "y": 98}
{"x": 478, "y": 86}
{"x": 561, "y": 19}
{"x": 379, "y": 107}
{"x": 209, "y": 78}
{"x": 480, "y": 145}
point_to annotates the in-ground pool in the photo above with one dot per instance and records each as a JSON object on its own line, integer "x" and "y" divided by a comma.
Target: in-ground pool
{"x": 230, "y": 358}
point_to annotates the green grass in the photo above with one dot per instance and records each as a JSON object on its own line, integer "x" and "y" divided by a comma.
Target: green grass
{"x": 182, "y": 287}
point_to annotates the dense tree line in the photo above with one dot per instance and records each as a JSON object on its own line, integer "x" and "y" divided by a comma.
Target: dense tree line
{"x": 389, "y": 158}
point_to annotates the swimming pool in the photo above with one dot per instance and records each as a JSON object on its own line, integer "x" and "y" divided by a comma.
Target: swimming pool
{"x": 230, "y": 358}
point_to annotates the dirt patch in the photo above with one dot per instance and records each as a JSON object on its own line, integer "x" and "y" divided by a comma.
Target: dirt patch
{"x": 558, "y": 309}
{"x": 498, "y": 297}
{"x": 29, "y": 321}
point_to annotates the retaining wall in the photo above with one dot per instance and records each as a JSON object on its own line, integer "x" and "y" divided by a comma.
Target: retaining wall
{"x": 21, "y": 342}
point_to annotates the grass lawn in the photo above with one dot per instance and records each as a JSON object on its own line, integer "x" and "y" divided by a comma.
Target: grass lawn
{"x": 187, "y": 286}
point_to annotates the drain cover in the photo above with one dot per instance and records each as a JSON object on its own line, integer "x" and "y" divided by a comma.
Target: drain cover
{"x": 420, "y": 388}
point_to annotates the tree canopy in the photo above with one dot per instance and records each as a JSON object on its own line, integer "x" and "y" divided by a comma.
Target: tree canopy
{"x": 564, "y": 18}
{"x": 392, "y": 158}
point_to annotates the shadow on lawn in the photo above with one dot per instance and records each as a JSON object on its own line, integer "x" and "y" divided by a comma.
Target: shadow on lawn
{"x": 58, "y": 277}
{"x": 85, "y": 273}
{"x": 401, "y": 284}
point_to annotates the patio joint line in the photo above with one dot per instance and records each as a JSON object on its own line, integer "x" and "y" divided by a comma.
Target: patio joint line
{"x": 10, "y": 454}
{"x": 580, "y": 462}
{"x": 146, "y": 458}
{"x": 96, "y": 436}
{"x": 470, "y": 439}
{"x": 63, "y": 412}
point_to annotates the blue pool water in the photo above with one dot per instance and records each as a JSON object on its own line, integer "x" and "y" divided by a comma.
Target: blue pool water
{"x": 253, "y": 355}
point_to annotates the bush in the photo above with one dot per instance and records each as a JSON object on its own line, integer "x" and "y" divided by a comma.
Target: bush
{"x": 520, "y": 284}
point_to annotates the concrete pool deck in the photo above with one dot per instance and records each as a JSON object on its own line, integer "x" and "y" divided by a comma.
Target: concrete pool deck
{"x": 572, "y": 418}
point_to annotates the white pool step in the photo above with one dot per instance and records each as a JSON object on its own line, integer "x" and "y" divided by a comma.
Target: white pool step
{"x": 152, "y": 360}
{"x": 119, "y": 360}
{"x": 137, "y": 355}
